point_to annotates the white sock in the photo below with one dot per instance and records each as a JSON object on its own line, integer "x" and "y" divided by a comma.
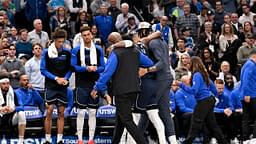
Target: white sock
{"x": 172, "y": 139}
{"x": 21, "y": 139}
{"x": 91, "y": 122}
{"x": 158, "y": 124}
{"x": 80, "y": 123}
{"x": 59, "y": 137}
{"x": 124, "y": 137}
{"x": 48, "y": 137}
{"x": 136, "y": 119}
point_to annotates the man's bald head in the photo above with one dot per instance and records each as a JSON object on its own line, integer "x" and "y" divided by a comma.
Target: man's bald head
{"x": 114, "y": 37}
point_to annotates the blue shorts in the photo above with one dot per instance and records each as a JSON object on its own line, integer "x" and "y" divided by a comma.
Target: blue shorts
{"x": 57, "y": 97}
{"x": 84, "y": 98}
{"x": 147, "y": 98}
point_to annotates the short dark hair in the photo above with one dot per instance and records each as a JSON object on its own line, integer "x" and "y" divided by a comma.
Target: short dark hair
{"x": 60, "y": 33}
{"x": 36, "y": 44}
{"x": 85, "y": 28}
{"x": 23, "y": 30}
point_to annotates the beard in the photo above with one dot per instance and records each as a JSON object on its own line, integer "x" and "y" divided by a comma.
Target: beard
{"x": 230, "y": 86}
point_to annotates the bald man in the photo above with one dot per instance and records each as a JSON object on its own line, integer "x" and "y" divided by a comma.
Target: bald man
{"x": 123, "y": 66}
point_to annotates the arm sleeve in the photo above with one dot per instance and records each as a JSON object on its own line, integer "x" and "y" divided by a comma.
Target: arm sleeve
{"x": 111, "y": 66}
{"x": 145, "y": 61}
{"x": 218, "y": 110}
{"x": 180, "y": 103}
{"x": 197, "y": 78}
{"x": 74, "y": 61}
{"x": 43, "y": 68}
{"x": 158, "y": 55}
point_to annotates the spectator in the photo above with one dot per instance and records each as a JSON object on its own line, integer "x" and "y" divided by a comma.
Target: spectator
{"x": 188, "y": 20}
{"x": 23, "y": 46}
{"x": 183, "y": 66}
{"x": 131, "y": 28}
{"x": 60, "y": 20}
{"x": 32, "y": 68}
{"x": 8, "y": 103}
{"x": 95, "y": 6}
{"x": 181, "y": 49}
{"x": 229, "y": 5}
{"x": 38, "y": 35}
{"x": 219, "y": 12}
{"x": 189, "y": 40}
{"x": 165, "y": 30}
{"x": 247, "y": 15}
{"x": 229, "y": 44}
{"x": 74, "y": 6}
{"x": 156, "y": 10}
{"x": 53, "y": 5}
{"x": 122, "y": 18}
{"x": 36, "y": 10}
{"x": 13, "y": 38}
{"x": 113, "y": 10}
{"x": 245, "y": 50}
{"x": 210, "y": 63}
{"x": 12, "y": 67}
{"x": 224, "y": 69}
{"x": 237, "y": 27}
{"x": 8, "y": 7}
{"x": 104, "y": 23}
{"x": 176, "y": 11}
{"x": 83, "y": 18}
{"x": 247, "y": 29}
{"x": 208, "y": 39}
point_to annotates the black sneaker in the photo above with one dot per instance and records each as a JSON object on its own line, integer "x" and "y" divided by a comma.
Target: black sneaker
{"x": 60, "y": 142}
{"x": 47, "y": 142}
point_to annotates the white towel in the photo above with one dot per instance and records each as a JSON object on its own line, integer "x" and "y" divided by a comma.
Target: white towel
{"x": 9, "y": 99}
{"x": 93, "y": 54}
{"x": 52, "y": 51}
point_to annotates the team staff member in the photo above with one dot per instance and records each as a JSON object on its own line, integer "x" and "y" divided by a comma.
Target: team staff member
{"x": 123, "y": 66}
{"x": 202, "y": 87}
{"x": 248, "y": 93}
{"x": 88, "y": 62}
{"x": 55, "y": 66}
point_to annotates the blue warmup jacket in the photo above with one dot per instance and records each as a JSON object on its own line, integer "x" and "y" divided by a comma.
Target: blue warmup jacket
{"x": 28, "y": 97}
{"x": 199, "y": 88}
{"x": 185, "y": 101}
{"x": 110, "y": 69}
{"x": 172, "y": 101}
{"x": 224, "y": 102}
{"x": 105, "y": 26}
{"x": 235, "y": 97}
{"x": 248, "y": 79}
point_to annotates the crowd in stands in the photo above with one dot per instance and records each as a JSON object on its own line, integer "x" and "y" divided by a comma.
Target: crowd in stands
{"x": 221, "y": 32}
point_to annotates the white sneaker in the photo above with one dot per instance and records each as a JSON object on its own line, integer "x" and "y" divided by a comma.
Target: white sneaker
{"x": 213, "y": 141}
{"x": 246, "y": 142}
{"x": 252, "y": 141}
{"x": 234, "y": 141}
